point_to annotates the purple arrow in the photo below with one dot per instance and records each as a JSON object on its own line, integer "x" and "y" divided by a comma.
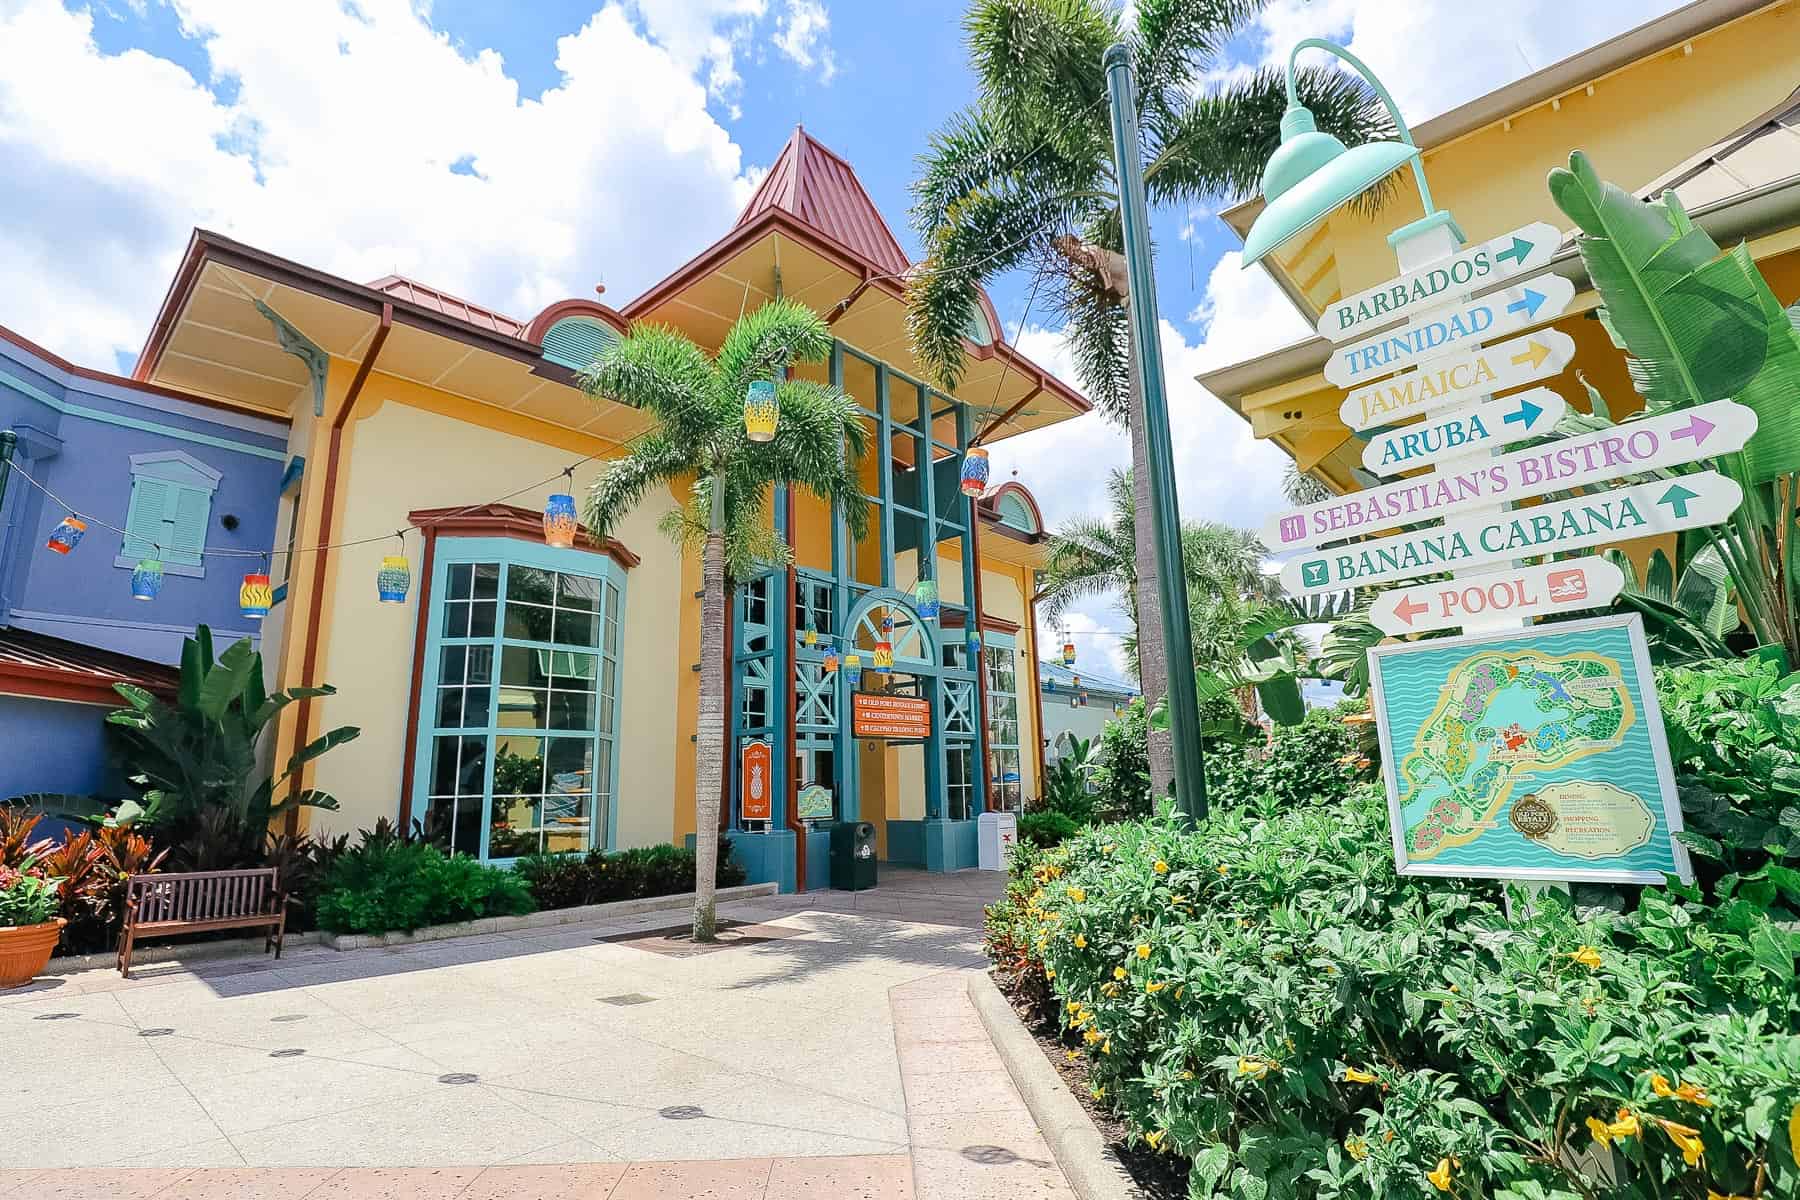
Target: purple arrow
{"x": 1697, "y": 430}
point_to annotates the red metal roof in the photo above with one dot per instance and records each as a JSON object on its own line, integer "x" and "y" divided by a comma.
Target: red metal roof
{"x": 822, "y": 190}
{"x": 36, "y": 664}
{"x": 400, "y": 287}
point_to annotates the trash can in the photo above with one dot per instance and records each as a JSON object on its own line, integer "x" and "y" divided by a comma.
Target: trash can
{"x": 852, "y": 856}
{"x": 996, "y": 833}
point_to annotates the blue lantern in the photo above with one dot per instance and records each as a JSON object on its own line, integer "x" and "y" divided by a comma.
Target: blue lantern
{"x": 925, "y": 599}
{"x": 147, "y": 579}
{"x": 853, "y": 670}
{"x": 975, "y": 472}
{"x": 393, "y": 579}
{"x": 559, "y": 520}
{"x": 974, "y": 639}
{"x": 67, "y": 535}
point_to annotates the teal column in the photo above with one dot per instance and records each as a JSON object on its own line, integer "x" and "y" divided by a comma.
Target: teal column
{"x": 886, "y": 444}
{"x": 844, "y": 746}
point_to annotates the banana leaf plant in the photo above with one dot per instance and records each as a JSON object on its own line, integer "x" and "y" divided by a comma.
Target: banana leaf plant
{"x": 199, "y": 754}
{"x": 1698, "y": 324}
{"x": 1686, "y": 618}
{"x": 1272, "y": 659}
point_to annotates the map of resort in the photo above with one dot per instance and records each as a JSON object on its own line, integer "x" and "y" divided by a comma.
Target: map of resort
{"x": 1506, "y": 716}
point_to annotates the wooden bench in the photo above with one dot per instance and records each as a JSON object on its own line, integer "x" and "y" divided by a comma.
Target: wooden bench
{"x": 197, "y": 901}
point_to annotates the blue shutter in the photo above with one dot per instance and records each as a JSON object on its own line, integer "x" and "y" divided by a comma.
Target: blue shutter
{"x": 576, "y": 342}
{"x": 144, "y": 521}
{"x": 188, "y": 519}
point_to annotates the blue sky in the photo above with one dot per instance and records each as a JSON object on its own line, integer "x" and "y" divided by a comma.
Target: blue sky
{"x": 518, "y": 153}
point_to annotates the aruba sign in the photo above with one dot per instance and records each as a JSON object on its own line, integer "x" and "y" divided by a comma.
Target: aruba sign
{"x": 1519, "y": 416}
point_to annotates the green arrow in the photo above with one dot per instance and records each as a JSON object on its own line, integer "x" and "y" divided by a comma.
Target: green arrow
{"x": 1677, "y": 498}
{"x": 1517, "y": 251}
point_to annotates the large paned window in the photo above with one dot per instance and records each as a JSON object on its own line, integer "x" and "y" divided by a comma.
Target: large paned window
{"x": 1001, "y": 661}
{"x": 521, "y": 699}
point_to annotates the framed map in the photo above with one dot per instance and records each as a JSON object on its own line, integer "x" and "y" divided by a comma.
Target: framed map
{"x": 1528, "y": 755}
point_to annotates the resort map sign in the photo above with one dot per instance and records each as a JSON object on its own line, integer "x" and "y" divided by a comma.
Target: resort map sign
{"x": 1536, "y": 755}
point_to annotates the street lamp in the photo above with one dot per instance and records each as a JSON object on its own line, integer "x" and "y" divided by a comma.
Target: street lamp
{"x": 1313, "y": 173}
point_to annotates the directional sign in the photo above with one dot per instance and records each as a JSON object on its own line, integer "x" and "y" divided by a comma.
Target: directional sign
{"x": 1553, "y": 587}
{"x": 1660, "y": 506}
{"x": 1442, "y": 330}
{"x": 1629, "y": 449}
{"x": 1458, "y": 379}
{"x": 1522, "y": 250}
{"x": 1487, "y": 426}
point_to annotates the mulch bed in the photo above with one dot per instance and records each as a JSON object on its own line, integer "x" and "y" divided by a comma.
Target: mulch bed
{"x": 1158, "y": 1176}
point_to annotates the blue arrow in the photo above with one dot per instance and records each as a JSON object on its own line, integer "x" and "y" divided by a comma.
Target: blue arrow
{"x": 1527, "y": 413}
{"x": 1529, "y": 305}
{"x": 1517, "y": 251}
{"x": 1677, "y": 498}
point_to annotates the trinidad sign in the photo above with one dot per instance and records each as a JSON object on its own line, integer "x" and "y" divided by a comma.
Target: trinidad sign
{"x": 1441, "y": 330}
{"x": 1568, "y": 585}
{"x": 1458, "y": 378}
{"x": 1516, "y": 253}
{"x": 1491, "y": 425}
{"x": 1703, "y": 431}
{"x": 1660, "y": 506}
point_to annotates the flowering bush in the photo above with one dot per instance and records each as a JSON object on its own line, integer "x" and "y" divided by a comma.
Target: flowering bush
{"x": 1264, "y": 996}
{"x": 27, "y": 896}
{"x": 1318, "y": 760}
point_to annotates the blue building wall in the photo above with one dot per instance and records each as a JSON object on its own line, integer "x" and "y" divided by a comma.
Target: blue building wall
{"x": 70, "y": 753}
{"x": 77, "y": 436}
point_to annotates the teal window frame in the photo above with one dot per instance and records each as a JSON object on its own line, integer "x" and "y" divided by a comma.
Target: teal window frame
{"x": 290, "y": 487}
{"x": 994, "y": 645}
{"x": 169, "y": 512}
{"x": 608, "y": 646}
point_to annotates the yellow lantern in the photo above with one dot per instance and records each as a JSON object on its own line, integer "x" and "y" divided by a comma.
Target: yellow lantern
{"x": 761, "y": 412}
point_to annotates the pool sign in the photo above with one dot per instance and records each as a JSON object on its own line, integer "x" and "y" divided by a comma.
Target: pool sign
{"x": 1524, "y": 249}
{"x": 1452, "y": 327}
{"x": 1660, "y": 506}
{"x": 1488, "y": 426}
{"x": 1634, "y": 447}
{"x": 1553, "y": 587}
{"x": 1458, "y": 379}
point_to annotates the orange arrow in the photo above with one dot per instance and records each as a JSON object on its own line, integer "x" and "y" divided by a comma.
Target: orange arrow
{"x": 1534, "y": 353}
{"x": 1407, "y": 609}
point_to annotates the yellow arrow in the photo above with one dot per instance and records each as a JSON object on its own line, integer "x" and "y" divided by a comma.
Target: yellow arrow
{"x": 1534, "y": 353}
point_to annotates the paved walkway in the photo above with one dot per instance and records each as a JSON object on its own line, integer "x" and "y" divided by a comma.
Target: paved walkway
{"x": 829, "y": 1052}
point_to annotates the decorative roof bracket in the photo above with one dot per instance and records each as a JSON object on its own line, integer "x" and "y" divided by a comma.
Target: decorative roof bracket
{"x": 301, "y": 347}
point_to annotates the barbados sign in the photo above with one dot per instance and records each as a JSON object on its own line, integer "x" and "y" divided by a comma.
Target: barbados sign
{"x": 1459, "y": 378}
{"x": 1660, "y": 506}
{"x": 1442, "y": 330}
{"x": 1488, "y": 426}
{"x": 1628, "y": 449}
{"x": 1568, "y": 585}
{"x": 1510, "y": 254}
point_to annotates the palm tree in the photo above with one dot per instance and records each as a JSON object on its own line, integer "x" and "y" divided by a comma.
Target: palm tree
{"x": 1024, "y": 177}
{"x": 699, "y": 441}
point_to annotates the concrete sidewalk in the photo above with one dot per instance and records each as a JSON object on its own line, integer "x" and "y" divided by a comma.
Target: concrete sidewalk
{"x": 831, "y": 1051}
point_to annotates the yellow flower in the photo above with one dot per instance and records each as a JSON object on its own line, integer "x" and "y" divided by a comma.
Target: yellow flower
{"x": 1071, "y": 1055}
{"x": 1793, "y": 1124}
{"x": 1156, "y": 1139}
{"x": 1119, "y": 972}
{"x": 1692, "y": 1093}
{"x": 1077, "y": 894}
{"x": 1624, "y": 1125}
{"x": 1154, "y": 988}
{"x": 1091, "y": 1036}
{"x": 1685, "y": 1137}
{"x": 1111, "y": 989}
{"x": 1162, "y": 868}
{"x": 1081, "y": 941}
{"x": 1106, "y": 1046}
{"x": 1358, "y": 1148}
{"x": 1183, "y": 988}
{"x": 1587, "y": 956}
{"x": 1712, "y": 1195}
{"x": 1256, "y": 1068}
{"x": 1224, "y": 870}
{"x": 1049, "y": 972}
{"x": 1187, "y": 1076}
{"x": 1098, "y": 1093}
{"x": 1352, "y": 1075}
{"x": 1143, "y": 949}
{"x": 1440, "y": 1178}
{"x": 1242, "y": 923}
{"x": 1107, "y": 849}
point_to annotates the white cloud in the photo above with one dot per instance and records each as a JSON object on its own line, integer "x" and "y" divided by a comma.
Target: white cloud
{"x": 705, "y": 34}
{"x": 335, "y": 147}
{"x": 800, "y": 34}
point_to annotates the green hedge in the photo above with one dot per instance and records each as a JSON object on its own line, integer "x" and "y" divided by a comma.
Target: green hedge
{"x": 1266, "y": 997}
{"x": 386, "y": 884}
{"x": 597, "y": 877}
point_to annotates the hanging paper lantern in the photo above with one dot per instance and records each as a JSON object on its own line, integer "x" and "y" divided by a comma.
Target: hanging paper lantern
{"x": 1078, "y": 681}
{"x": 761, "y": 412}
{"x": 146, "y": 579}
{"x": 853, "y": 670}
{"x": 812, "y": 636}
{"x": 254, "y": 598}
{"x": 884, "y": 656}
{"x": 974, "y": 639}
{"x": 975, "y": 472}
{"x": 393, "y": 579}
{"x": 67, "y": 535}
{"x": 925, "y": 599}
{"x": 1068, "y": 654}
{"x": 831, "y": 660}
{"x": 559, "y": 520}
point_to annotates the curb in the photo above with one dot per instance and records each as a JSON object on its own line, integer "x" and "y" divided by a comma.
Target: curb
{"x": 548, "y": 918}
{"x": 1091, "y": 1168}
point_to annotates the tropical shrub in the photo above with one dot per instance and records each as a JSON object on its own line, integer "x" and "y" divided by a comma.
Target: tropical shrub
{"x": 386, "y": 884}
{"x": 1047, "y": 828}
{"x": 1122, "y": 775}
{"x": 92, "y": 866}
{"x": 1263, "y": 995}
{"x": 599, "y": 877}
{"x": 1065, "y": 787}
{"x": 1320, "y": 760}
{"x": 27, "y": 896}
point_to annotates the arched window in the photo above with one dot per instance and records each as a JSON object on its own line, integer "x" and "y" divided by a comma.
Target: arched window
{"x": 575, "y": 342}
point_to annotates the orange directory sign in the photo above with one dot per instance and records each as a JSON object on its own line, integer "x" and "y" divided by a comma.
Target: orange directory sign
{"x": 881, "y": 716}
{"x": 754, "y": 772}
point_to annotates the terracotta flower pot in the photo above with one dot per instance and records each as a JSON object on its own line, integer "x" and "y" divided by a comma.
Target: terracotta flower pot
{"x": 25, "y": 949}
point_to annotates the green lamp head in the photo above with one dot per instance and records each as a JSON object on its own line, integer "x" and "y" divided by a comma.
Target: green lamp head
{"x": 1311, "y": 174}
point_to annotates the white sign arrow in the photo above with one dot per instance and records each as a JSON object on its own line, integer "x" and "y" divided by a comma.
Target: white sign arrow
{"x": 1487, "y": 426}
{"x": 1629, "y": 449}
{"x": 1449, "y": 328}
{"x": 1660, "y": 506}
{"x": 1524, "y": 249}
{"x": 1568, "y": 585}
{"x": 1458, "y": 378}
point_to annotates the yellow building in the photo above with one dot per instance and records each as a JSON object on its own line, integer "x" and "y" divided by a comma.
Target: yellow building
{"x": 528, "y": 697}
{"x": 1702, "y": 101}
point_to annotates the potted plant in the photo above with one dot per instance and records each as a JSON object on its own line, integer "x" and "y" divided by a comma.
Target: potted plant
{"x": 29, "y": 926}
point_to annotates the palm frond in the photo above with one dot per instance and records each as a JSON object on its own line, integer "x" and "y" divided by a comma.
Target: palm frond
{"x": 655, "y": 458}
{"x": 1177, "y": 39}
{"x": 767, "y": 340}
{"x": 819, "y": 446}
{"x": 1038, "y": 66}
{"x": 1098, "y": 331}
{"x": 661, "y": 371}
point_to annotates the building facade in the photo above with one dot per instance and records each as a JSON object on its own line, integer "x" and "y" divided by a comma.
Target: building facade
{"x": 528, "y": 697}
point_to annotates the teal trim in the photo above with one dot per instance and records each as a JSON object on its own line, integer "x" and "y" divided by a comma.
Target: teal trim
{"x": 575, "y": 342}
{"x": 295, "y": 469}
{"x": 108, "y": 418}
{"x": 279, "y": 594}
